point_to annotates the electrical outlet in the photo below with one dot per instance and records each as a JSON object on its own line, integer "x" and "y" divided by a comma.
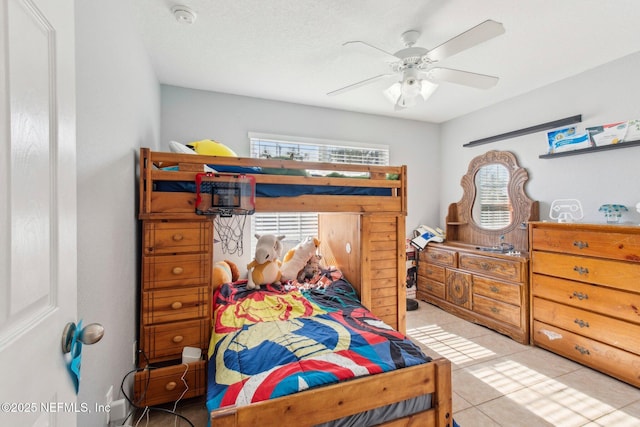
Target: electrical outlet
{"x": 118, "y": 410}
{"x": 108, "y": 398}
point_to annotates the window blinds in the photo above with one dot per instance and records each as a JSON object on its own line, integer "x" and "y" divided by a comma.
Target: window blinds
{"x": 297, "y": 225}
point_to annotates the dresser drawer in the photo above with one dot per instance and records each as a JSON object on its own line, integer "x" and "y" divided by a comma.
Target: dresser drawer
{"x": 432, "y": 288}
{"x": 610, "y": 302}
{"x": 178, "y": 270}
{"x": 497, "y": 310}
{"x": 166, "y": 341}
{"x": 497, "y": 268}
{"x": 431, "y": 271}
{"x": 172, "y": 305}
{"x": 505, "y": 292}
{"x": 458, "y": 288}
{"x": 592, "y": 325}
{"x": 177, "y": 237}
{"x": 154, "y": 386}
{"x": 439, "y": 256}
{"x": 610, "y": 360}
{"x": 588, "y": 242}
{"x": 614, "y": 274}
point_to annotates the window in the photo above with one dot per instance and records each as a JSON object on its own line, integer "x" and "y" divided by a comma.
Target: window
{"x": 297, "y": 225}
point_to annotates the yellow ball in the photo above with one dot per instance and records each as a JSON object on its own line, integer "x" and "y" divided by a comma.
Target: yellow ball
{"x": 209, "y": 147}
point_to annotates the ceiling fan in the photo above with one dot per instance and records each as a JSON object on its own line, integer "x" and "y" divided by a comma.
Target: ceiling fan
{"x": 418, "y": 75}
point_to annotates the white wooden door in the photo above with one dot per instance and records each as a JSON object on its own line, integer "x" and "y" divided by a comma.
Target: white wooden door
{"x": 37, "y": 211}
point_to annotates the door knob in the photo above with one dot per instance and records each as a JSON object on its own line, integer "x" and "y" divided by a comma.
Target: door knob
{"x": 90, "y": 334}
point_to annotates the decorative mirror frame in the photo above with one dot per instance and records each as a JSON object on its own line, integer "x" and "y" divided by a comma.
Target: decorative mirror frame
{"x": 462, "y": 227}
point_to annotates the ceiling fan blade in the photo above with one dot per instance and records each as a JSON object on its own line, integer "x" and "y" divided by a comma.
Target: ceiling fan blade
{"x": 391, "y": 55}
{"x": 472, "y": 37}
{"x": 358, "y": 84}
{"x": 465, "y": 78}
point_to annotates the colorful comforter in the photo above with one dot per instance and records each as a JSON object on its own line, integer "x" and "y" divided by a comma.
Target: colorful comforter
{"x": 282, "y": 339}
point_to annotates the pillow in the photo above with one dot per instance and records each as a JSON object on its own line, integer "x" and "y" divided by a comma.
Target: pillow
{"x": 209, "y": 147}
{"x": 176, "y": 147}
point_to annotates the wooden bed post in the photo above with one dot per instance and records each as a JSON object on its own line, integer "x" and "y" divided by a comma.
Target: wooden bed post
{"x": 443, "y": 402}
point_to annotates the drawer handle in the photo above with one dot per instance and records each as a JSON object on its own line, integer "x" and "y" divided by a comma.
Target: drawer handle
{"x": 580, "y": 295}
{"x": 495, "y": 310}
{"x": 429, "y": 272}
{"x": 581, "y": 270}
{"x": 177, "y": 270}
{"x": 176, "y": 305}
{"x": 170, "y": 386}
{"x": 581, "y": 323}
{"x": 494, "y": 289}
{"x": 580, "y": 245}
{"x": 582, "y": 350}
{"x": 177, "y": 237}
{"x": 177, "y": 339}
{"x": 485, "y": 265}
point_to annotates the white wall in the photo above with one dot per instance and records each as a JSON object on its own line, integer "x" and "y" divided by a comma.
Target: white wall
{"x": 118, "y": 111}
{"x": 189, "y": 115}
{"x": 605, "y": 94}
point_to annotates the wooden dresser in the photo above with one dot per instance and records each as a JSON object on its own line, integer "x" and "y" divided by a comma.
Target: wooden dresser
{"x": 480, "y": 273}
{"x": 585, "y": 295}
{"x": 485, "y": 288}
{"x": 175, "y": 306}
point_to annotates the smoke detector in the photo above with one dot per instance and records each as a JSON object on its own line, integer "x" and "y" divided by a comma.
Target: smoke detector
{"x": 183, "y": 14}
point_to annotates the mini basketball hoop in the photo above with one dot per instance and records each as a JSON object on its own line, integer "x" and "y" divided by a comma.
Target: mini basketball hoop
{"x": 229, "y": 199}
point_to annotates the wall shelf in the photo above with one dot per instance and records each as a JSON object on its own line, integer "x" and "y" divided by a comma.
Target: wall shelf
{"x": 591, "y": 149}
{"x": 537, "y": 128}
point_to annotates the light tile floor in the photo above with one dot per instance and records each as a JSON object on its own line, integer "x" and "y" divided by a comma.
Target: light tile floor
{"x": 496, "y": 381}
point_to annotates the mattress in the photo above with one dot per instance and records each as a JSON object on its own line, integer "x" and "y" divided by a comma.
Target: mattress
{"x": 283, "y": 339}
{"x": 282, "y": 190}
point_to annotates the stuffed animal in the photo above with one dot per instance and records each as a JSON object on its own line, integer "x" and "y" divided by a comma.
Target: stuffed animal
{"x": 311, "y": 269}
{"x": 297, "y": 257}
{"x": 210, "y": 147}
{"x": 265, "y": 267}
{"x": 224, "y": 272}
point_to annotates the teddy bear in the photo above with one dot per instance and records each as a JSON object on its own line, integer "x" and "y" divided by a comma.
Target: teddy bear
{"x": 296, "y": 258}
{"x": 224, "y": 272}
{"x": 265, "y": 266}
{"x": 311, "y": 269}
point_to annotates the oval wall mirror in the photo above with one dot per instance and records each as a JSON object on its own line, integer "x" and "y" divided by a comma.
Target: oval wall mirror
{"x": 492, "y": 206}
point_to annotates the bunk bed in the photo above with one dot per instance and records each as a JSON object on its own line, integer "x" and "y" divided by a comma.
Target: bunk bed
{"x": 362, "y": 206}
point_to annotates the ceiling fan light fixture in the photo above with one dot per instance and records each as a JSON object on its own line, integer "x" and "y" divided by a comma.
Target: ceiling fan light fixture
{"x": 411, "y": 88}
{"x": 393, "y": 92}
{"x": 427, "y": 88}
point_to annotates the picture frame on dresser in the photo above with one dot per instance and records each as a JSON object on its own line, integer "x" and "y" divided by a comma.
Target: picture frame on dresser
{"x": 481, "y": 272}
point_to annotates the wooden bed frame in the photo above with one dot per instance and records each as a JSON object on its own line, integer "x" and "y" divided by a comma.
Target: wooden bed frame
{"x": 334, "y": 401}
{"x": 159, "y": 205}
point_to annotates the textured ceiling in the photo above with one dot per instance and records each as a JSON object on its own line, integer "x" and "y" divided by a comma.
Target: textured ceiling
{"x": 292, "y": 50}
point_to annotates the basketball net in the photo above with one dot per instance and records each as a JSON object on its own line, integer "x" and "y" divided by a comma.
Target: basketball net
{"x": 230, "y": 231}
